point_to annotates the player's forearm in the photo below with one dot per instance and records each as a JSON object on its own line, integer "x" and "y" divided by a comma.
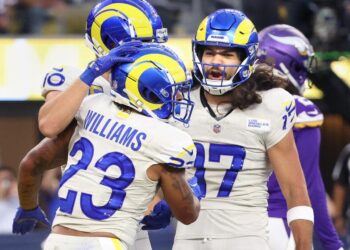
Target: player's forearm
{"x": 302, "y": 232}
{"x": 178, "y": 194}
{"x": 29, "y": 181}
{"x": 56, "y": 114}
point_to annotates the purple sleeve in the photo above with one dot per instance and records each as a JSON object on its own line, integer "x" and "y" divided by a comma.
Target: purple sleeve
{"x": 308, "y": 144}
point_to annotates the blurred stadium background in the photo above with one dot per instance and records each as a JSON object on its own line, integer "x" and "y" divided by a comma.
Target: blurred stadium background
{"x": 36, "y": 35}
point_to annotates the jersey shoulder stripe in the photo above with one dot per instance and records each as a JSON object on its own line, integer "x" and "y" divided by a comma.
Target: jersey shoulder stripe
{"x": 308, "y": 114}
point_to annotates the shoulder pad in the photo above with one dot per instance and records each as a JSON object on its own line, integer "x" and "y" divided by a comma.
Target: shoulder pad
{"x": 308, "y": 114}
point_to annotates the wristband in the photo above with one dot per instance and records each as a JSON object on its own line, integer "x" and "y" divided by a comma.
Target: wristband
{"x": 88, "y": 76}
{"x": 300, "y": 213}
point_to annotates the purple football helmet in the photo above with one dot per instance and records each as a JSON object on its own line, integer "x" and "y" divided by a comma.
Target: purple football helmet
{"x": 287, "y": 50}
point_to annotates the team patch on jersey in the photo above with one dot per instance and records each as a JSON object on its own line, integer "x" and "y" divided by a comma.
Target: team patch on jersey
{"x": 258, "y": 124}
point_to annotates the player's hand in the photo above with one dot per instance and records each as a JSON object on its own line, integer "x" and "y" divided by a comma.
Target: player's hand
{"x": 25, "y": 220}
{"x": 159, "y": 218}
{"x": 120, "y": 54}
{"x": 195, "y": 187}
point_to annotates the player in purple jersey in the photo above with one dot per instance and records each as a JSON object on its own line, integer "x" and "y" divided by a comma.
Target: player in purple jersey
{"x": 292, "y": 55}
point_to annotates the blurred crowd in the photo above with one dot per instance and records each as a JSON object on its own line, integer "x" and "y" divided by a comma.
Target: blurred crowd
{"x": 325, "y": 22}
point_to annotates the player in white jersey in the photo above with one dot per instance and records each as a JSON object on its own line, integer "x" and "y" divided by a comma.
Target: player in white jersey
{"x": 292, "y": 56}
{"x": 242, "y": 131}
{"x": 115, "y": 162}
{"x": 134, "y": 19}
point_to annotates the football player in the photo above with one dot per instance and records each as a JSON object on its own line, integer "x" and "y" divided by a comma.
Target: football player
{"x": 109, "y": 23}
{"x": 292, "y": 56}
{"x": 242, "y": 127}
{"x": 121, "y": 150}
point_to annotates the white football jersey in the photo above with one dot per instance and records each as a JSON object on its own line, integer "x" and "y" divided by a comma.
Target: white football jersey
{"x": 60, "y": 78}
{"x": 232, "y": 166}
{"x": 231, "y": 152}
{"x": 105, "y": 187}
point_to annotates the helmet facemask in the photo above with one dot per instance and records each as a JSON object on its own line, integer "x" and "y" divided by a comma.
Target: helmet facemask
{"x": 226, "y": 81}
{"x": 226, "y": 29}
{"x": 154, "y": 93}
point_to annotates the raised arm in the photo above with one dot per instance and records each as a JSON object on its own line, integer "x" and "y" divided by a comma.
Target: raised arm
{"x": 56, "y": 114}
{"x": 285, "y": 161}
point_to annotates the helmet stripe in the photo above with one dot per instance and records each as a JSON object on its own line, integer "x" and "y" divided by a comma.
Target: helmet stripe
{"x": 97, "y": 24}
{"x": 243, "y": 32}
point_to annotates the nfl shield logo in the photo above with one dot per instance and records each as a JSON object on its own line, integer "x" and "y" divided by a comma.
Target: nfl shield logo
{"x": 217, "y": 128}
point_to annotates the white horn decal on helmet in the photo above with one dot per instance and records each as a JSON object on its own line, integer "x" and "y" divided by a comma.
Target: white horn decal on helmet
{"x": 297, "y": 42}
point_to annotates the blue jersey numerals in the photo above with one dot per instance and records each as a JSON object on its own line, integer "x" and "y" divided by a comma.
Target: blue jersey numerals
{"x": 55, "y": 78}
{"x": 215, "y": 152}
{"x": 117, "y": 185}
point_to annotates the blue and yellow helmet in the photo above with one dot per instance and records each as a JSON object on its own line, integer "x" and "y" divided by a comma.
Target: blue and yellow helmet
{"x": 153, "y": 83}
{"x": 225, "y": 28}
{"x": 112, "y": 22}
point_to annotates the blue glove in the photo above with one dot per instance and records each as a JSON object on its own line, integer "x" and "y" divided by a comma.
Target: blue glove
{"x": 101, "y": 65}
{"x": 25, "y": 220}
{"x": 195, "y": 187}
{"x": 159, "y": 218}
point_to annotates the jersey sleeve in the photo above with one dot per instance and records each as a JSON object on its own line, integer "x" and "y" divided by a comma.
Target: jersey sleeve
{"x": 172, "y": 147}
{"x": 281, "y": 109}
{"x": 307, "y": 113}
{"x": 59, "y": 79}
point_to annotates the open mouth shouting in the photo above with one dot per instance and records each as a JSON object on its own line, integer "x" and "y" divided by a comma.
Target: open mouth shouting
{"x": 216, "y": 74}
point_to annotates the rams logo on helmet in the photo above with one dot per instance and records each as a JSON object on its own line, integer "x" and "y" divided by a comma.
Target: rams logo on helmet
{"x": 156, "y": 84}
{"x": 113, "y": 22}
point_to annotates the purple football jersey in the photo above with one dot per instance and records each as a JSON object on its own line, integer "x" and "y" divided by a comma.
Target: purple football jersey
{"x": 307, "y": 137}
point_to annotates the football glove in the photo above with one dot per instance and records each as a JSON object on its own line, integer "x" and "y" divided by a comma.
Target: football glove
{"x": 26, "y": 220}
{"x": 117, "y": 55}
{"x": 161, "y": 214}
{"x": 159, "y": 218}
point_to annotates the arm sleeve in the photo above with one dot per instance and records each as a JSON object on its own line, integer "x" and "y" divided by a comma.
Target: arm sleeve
{"x": 59, "y": 79}
{"x": 308, "y": 144}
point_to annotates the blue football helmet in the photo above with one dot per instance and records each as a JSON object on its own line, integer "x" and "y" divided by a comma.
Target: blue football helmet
{"x": 112, "y": 22}
{"x": 230, "y": 29}
{"x": 153, "y": 84}
{"x": 287, "y": 50}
